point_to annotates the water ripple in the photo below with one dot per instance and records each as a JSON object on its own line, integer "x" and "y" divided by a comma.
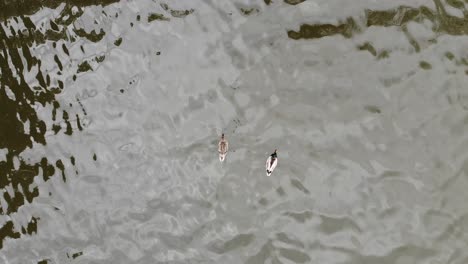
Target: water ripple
{"x": 125, "y": 103}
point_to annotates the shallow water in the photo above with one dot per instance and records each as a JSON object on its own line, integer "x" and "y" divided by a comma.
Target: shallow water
{"x": 111, "y": 156}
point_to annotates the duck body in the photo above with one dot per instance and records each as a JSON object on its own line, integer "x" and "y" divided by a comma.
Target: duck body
{"x": 223, "y": 147}
{"x": 271, "y": 163}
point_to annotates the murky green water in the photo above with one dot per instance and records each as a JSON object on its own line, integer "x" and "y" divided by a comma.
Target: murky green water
{"x": 110, "y": 113}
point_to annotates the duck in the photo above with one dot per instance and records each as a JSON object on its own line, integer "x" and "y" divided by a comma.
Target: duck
{"x": 271, "y": 163}
{"x": 223, "y": 147}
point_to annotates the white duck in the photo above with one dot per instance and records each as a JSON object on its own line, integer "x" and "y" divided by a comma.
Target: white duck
{"x": 223, "y": 147}
{"x": 271, "y": 163}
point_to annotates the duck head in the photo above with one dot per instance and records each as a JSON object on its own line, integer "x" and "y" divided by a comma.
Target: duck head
{"x": 274, "y": 154}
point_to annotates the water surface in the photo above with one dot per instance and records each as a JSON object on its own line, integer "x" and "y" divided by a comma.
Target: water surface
{"x": 110, "y": 116}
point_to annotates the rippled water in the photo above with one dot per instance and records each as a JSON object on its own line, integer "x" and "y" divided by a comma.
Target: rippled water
{"x": 110, "y": 117}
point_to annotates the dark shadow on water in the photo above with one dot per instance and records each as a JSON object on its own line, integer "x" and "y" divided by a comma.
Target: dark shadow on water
{"x": 20, "y": 125}
{"x": 442, "y": 23}
{"x": 9, "y": 8}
